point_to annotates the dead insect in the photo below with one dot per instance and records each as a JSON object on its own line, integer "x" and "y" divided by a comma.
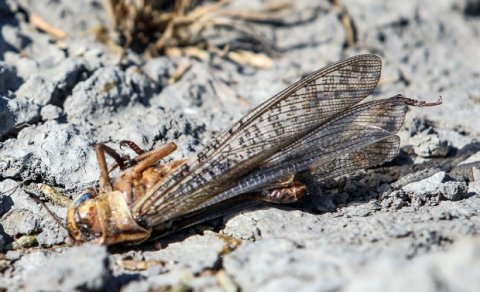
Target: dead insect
{"x": 315, "y": 125}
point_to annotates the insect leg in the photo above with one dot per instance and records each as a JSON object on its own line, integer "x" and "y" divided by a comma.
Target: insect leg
{"x": 126, "y": 160}
{"x": 288, "y": 190}
{"x": 146, "y": 159}
{"x": 132, "y": 145}
{"x": 101, "y": 149}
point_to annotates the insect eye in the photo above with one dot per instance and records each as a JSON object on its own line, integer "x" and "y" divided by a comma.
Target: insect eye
{"x": 84, "y": 197}
{"x": 85, "y": 230}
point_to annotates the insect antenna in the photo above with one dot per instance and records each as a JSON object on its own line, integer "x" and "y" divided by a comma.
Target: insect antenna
{"x": 420, "y": 103}
{"x": 37, "y": 199}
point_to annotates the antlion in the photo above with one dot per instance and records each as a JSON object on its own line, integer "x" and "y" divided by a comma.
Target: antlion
{"x": 315, "y": 125}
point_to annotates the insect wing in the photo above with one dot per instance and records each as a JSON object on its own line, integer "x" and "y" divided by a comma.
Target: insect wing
{"x": 369, "y": 156}
{"x": 333, "y": 143}
{"x": 275, "y": 124}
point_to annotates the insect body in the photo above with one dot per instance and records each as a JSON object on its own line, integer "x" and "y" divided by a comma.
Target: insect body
{"x": 315, "y": 125}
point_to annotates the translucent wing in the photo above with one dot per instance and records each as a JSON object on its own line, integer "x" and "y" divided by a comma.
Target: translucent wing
{"x": 369, "y": 156}
{"x": 275, "y": 124}
{"x": 346, "y": 135}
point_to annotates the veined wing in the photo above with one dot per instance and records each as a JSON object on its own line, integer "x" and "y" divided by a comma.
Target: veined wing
{"x": 270, "y": 127}
{"x": 369, "y": 156}
{"x": 345, "y": 135}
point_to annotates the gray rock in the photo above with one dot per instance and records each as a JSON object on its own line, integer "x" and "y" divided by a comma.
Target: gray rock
{"x": 427, "y": 185}
{"x": 394, "y": 200}
{"x": 196, "y": 253}
{"x": 101, "y": 95}
{"x": 434, "y": 188}
{"x": 79, "y": 268}
{"x": 453, "y": 190}
{"x": 9, "y": 81}
{"x": 64, "y": 77}
{"x": 440, "y": 271}
{"x": 52, "y": 233}
{"x": 13, "y": 255}
{"x": 177, "y": 279}
{"x": 32, "y": 95}
{"x": 426, "y": 190}
{"x": 427, "y": 144}
{"x": 275, "y": 265}
{"x": 13, "y": 37}
{"x": 52, "y": 86}
{"x": 474, "y": 186}
{"x": 159, "y": 70}
{"x": 51, "y": 150}
{"x": 36, "y": 90}
{"x": 50, "y": 112}
{"x": 87, "y": 15}
{"x": 24, "y": 113}
{"x": 20, "y": 215}
{"x": 7, "y": 117}
{"x": 18, "y": 222}
{"x": 141, "y": 82}
{"x": 25, "y": 67}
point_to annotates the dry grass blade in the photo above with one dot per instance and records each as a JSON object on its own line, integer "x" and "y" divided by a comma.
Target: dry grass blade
{"x": 24, "y": 241}
{"x": 158, "y": 27}
{"x": 138, "y": 265}
{"x": 250, "y": 58}
{"x": 53, "y": 195}
{"x": 347, "y": 22}
{"x": 41, "y": 24}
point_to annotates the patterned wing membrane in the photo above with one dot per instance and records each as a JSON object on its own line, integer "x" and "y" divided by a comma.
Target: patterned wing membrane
{"x": 384, "y": 115}
{"x": 369, "y": 156}
{"x": 275, "y": 124}
{"x": 343, "y": 136}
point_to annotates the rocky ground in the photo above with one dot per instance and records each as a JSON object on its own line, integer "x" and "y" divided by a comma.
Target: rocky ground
{"x": 410, "y": 224}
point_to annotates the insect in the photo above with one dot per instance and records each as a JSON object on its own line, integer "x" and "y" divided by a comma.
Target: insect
{"x": 316, "y": 125}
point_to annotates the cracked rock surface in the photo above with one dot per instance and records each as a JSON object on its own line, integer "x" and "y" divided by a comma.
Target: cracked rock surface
{"x": 412, "y": 223}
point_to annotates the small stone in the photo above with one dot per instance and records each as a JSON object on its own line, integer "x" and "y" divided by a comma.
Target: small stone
{"x": 102, "y": 94}
{"x": 50, "y": 112}
{"x": 453, "y": 190}
{"x": 425, "y": 190}
{"x": 36, "y": 90}
{"x": 26, "y": 67}
{"x": 79, "y": 268}
{"x": 196, "y": 252}
{"x": 13, "y": 37}
{"x": 20, "y": 221}
{"x": 13, "y": 255}
{"x": 474, "y": 186}
{"x": 427, "y": 185}
{"x": 428, "y": 144}
{"x": 394, "y": 200}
